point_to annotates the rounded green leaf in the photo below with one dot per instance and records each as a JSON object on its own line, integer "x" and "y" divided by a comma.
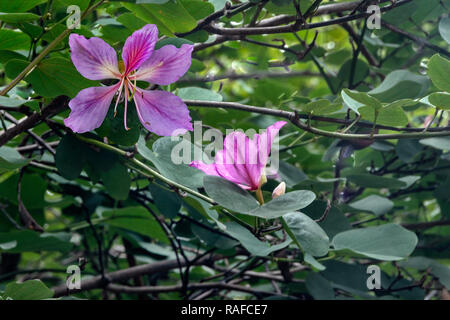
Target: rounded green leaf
{"x": 400, "y": 84}
{"x": 229, "y": 194}
{"x": 18, "y": 17}
{"x": 373, "y": 181}
{"x": 440, "y": 100}
{"x": 389, "y": 242}
{"x": 364, "y": 99}
{"x": 444, "y": 29}
{"x": 285, "y": 203}
{"x": 438, "y": 71}
{"x": 28, "y": 290}
{"x": 70, "y": 157}
{"x": 308, "y": 233}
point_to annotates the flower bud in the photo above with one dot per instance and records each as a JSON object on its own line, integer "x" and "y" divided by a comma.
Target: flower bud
{"x": 279, "y": 190}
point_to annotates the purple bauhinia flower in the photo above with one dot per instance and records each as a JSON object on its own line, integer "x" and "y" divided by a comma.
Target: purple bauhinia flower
{"x": 242, "y": 159}
{"x": 159, "y": 111}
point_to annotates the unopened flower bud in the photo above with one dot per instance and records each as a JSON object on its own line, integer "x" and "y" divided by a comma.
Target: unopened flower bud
{"x": 279, "y": 190}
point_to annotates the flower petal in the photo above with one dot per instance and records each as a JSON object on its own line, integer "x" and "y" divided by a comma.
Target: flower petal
{"x": 209, "y": 169}
{"x": 93, "y": 58}
{"x": 166, "y": 65}
{"x": 162, "y": 112}
{"x": 238, "y": 162}
{"x": 264, "y": 141}
{"x": 89, "y": 108}
{"x": 139, "y": 47}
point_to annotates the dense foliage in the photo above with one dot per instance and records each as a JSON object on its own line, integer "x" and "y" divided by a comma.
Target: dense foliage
{"x": 364, "y": 154}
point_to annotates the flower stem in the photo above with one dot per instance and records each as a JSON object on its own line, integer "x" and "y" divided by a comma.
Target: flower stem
{"x": 260, "y": 198}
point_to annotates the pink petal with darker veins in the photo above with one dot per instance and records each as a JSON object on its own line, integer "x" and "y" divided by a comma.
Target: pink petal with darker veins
{"x": 243, "y": 160}
{"x": 93, "y": 58}
{"x": 89, "y": 108}
{"x": 209, "y": 169}
{"x": 264, "y": 141}
{"x": 166, "y": 65}
{"x": 239, "y": 161}
{"x": 139, "y": 47}
{"x": 162, "y": 112}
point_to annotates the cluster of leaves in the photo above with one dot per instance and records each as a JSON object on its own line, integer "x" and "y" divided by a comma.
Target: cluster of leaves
{"x": 113, "y": 199}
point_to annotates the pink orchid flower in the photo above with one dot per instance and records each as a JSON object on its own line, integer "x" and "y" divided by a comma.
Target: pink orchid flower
{"x": 159, "y": 111}
{"x": 242, "y": 159}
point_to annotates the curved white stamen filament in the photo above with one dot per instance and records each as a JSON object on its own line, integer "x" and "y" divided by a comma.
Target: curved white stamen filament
{"x": 125, "y": 109}
{"x": 119, "y": 95}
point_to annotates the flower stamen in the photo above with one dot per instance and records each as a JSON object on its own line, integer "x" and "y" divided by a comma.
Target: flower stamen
{"x": 125, "y": 109}
{"x": 118, "y": 96}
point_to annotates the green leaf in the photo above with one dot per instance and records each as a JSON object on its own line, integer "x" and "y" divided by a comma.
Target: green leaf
{"x": 440, "y": 100}
{"x": 229, "y": 194}
{"x": 389, "y": 242}
{"x": 167, "y": 202}
{"x": 373, "y": 203}
{"x": 391, "y": 115}
{"x": 6, "y": 55}
{"x": 407, "y": 149}
{"x": 130, "y": 21}
{"x": 335, "y": 221}
{"x": 350, "y": 277}
{"x": 319, "y": 287}
{"x": 30, "y": 241}
{"x": 373, "y": 181}
{"x": 70, "y": 157}
{"x": 291, "y": 201}
{"x": 11, "y": 102}
{"x": 33, "y": 190}
{"x": 13, "y": 40}
{"x": 177, "y": 42}
{"x": 52, "y": 77}
{"x": 135, "y": 219}
{"x": 361, "y": 71}
{"x": 364, "y": 99}
{"x": 117, "y": 181}
{"x": 308, "y": 233}
{"x": 170, "y": 17}
{"x": 313, "y": 262}
{"x": 290, "y": 174}
{"x": 10, "y": 159}
{"x": 444, "y": 29}
{"x": 438, "y": 71}
{"x": 400, "y": 84}
{"x": 18, "y": 17}
{"x": 151, "y": 1}
{"x": 440, "y": 271}
{"x": 250, "y": 242}
{"x": 198, "y": 9}
{"x": 113, "y": 127}
{"x": 19, "y": 5}
{"x": 161, "y": 156}
{"x": 441, "y": 143}
{"x": 28, "y": 290}
{"x": 350, "y": 102}
{"x": 194, "y": 93}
